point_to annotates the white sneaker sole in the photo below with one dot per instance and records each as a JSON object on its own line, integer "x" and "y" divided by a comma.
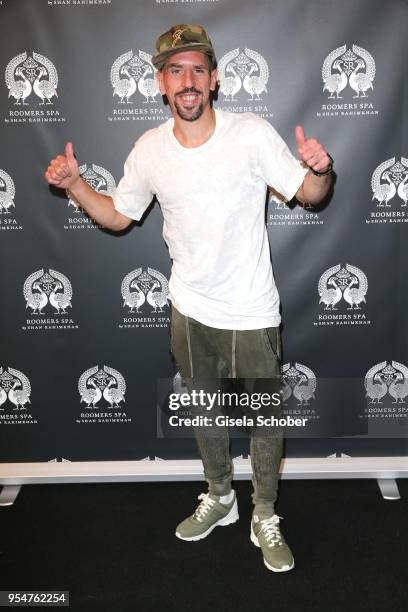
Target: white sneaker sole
{"x": 285, "y": 568}
{"x": 230, "y": 518}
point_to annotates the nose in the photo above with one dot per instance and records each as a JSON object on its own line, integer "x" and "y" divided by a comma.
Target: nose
{"x": 188, "y": 77}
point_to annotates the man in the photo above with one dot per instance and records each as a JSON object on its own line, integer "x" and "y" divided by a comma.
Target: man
{"x": 209, "y": 170}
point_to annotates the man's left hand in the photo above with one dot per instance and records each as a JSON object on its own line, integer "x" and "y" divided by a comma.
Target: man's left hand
{"x": 311, "y": 151}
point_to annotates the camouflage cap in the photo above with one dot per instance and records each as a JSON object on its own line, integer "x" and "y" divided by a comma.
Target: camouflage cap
{"x": 182, "y": 37}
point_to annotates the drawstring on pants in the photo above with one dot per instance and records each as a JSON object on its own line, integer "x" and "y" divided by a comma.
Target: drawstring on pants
{"x": 233, "y": 353}
{"x": 190, "y": 355}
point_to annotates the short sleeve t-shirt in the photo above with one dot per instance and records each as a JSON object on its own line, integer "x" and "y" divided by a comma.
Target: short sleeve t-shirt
{"x": 213, "y": 203}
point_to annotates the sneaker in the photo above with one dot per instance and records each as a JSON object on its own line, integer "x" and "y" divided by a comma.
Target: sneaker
{"x": 209, "y": 513}
{"x": 266, "y": 535}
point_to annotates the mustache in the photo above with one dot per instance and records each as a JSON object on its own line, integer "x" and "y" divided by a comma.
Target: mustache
{"x": 188, "y": 90}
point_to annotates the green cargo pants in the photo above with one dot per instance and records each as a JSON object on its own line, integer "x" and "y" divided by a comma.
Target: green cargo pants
{"x": 206, "y": 353}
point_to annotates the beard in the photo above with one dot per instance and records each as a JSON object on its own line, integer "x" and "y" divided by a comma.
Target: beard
{"x": 190, "y": 114}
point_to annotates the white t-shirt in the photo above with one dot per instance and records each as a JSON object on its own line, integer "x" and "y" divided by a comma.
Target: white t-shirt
{"x": 213, "y": 203}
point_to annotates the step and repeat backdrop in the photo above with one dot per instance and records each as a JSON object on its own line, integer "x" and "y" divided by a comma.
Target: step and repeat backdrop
{"x": 84, "y": 312}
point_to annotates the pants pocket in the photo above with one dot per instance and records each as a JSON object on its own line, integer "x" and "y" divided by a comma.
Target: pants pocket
{"x": 273, "y": 340}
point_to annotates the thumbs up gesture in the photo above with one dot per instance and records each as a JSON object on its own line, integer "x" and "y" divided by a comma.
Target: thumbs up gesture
{"x": 63, "y": 171}
{"x": 311, "y": 151}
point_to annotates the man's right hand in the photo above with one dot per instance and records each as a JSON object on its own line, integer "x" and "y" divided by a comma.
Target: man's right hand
{"x": 63, "y": 171}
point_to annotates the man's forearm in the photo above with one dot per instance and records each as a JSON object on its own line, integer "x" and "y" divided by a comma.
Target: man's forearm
{"x": 98, "y": 206}
{"x": 315, "y": 188}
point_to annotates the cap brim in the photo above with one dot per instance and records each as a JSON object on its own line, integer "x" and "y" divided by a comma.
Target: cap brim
{"x": 159, "y": 59}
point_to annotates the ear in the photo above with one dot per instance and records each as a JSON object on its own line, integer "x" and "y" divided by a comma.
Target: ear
{"x": 159, "y": 77}
{"x": 213, "y": 79}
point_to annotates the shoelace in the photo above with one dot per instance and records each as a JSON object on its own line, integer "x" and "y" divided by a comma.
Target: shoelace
{"x": 270, "y": 528}
{"x": 206, "y": 504}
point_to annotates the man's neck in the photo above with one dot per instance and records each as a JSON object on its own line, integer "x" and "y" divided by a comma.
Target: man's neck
{"x": 192, "y": 134}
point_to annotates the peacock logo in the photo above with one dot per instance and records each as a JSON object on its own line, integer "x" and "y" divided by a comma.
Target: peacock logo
{"x": 389, "y": 179}
{"x": 145, "y": 290}
{"x": 31, "y": 77}
{"x": 246, "y": 69}
{"x": 354, "y": 68}
{"x": 299, "y": 382}
{"x": 387, "y": 378}
{"x": 7, "y": 193}
{"x": 15, "y": 388}
{"x": 44, "y": 289}
{"x": 100, "y": 179}
{"x": 132, "y": 74}
{"x": 339, "y": 283}
{"x": 102, "y": 384}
